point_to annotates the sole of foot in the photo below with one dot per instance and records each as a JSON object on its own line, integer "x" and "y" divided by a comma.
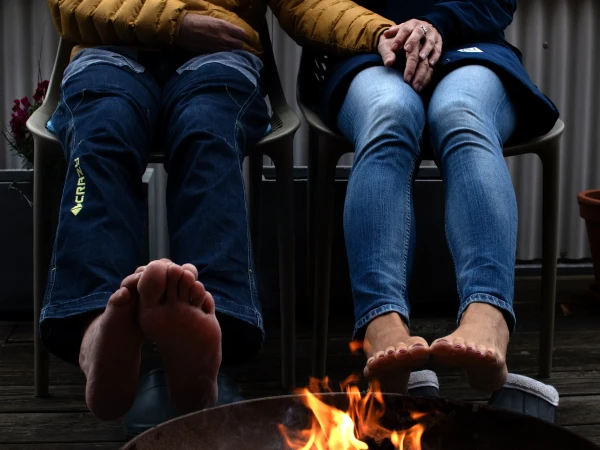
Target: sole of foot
{"x": 478, "y": 346}
{"x": 392, "y": 353}
{"x": 110, "y": 357}
{"x": 178, "y": 315}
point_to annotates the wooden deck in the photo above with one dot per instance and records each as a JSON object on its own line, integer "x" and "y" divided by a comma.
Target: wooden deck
{"x": 63, "y": 422}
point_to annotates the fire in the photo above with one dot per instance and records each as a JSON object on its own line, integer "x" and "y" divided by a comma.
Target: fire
{"x": 333, "y": 429}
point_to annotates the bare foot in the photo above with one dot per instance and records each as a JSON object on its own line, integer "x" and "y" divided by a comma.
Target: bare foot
{"x": 479, "y": 346}
{"x": 178, "y": 315}
{"x": 392, "y": 353}
{"x": 110, "y": 357}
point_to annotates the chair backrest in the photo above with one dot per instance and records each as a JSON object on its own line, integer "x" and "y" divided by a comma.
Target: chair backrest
{"x": 311, "y": 76}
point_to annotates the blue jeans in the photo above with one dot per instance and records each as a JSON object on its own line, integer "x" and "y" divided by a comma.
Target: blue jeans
{"x": 468, "y": 117}
{"x": 116, "y": 106}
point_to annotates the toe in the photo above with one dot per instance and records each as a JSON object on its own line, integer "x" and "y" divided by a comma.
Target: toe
{"x": 419, "y": 351}
{"x": 152, "y": 283}
{"x": 389, "y": 351}
{"x": 491, "y": 355}
{"x": 131, "y": 281}
{"x": 191, "y": 268}
{"x": 174, "y": 275}
{"x": 471, "y": 348}
{"x": 120, "y": 298}
{"x": 202, "y": 299}
{"x": 185, "y": 285}
{"x": 481, "y": 351}
{"x": 458, "y": 346}
{"x": 401, "y": 350}
{"x": 442, "y": 343}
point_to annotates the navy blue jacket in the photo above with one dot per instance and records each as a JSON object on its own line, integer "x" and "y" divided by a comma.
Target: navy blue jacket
{"x": 476, "y": 26}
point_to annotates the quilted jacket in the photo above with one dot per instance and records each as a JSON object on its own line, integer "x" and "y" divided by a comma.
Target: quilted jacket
{"x": 337, "y": 26}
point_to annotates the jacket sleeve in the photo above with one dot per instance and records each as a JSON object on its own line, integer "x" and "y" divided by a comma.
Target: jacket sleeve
{"x": 132, "y": 22}
{"x": 335, "y": 26}
{"x": 464, "y": 21}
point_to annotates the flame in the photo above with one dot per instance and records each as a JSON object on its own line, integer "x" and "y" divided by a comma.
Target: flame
{"x": 356, "y": 346}
{"x": 333, "y": 429}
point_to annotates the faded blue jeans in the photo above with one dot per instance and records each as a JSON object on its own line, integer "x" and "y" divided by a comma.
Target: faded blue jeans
{"x": 468, "y": 117}
{"x": 116, "y": 106}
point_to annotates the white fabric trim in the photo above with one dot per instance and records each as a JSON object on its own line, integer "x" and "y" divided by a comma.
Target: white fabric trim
{"x": 423, "y": 378}
{"x": 533, "y": 387}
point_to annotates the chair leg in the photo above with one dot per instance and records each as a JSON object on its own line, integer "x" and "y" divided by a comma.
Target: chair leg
{"x": 42, "y": 249}
{"x": 254, "y": 202}
{"x": 284, "y": 166}
{"x": 550, "y": 218}
{"x": 323, "y": 239}
{"x": 311, "y": 196}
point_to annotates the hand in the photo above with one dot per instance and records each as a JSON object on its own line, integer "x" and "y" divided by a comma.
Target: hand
{"x": 409, "y": 35}
{"x": 205, "y": 34}
{"x": 418, "y": 72}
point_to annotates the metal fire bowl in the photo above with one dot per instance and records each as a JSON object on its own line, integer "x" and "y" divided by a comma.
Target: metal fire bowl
{"x": 452, "y": 425}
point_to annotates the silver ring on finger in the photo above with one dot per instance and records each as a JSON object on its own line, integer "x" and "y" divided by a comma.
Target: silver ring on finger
{"x": 424, "y": 28}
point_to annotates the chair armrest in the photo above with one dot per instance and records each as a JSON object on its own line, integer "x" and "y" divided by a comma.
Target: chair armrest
{"x": 37, "y": 122}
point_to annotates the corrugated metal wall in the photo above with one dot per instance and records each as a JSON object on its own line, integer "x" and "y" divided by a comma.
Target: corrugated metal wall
{"x": 560, "y": 41}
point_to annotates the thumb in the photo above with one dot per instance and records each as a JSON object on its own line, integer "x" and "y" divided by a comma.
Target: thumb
{"x": 392, "y": 31}
{"x": 387, "y": 55}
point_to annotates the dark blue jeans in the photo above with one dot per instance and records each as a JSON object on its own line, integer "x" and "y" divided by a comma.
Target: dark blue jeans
{"x": 116, "y": 106}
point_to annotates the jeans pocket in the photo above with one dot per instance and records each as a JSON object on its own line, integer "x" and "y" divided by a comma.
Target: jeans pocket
{"x": 91, "y": 56}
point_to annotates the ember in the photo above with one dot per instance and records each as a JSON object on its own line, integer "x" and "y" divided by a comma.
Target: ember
{"x": 334, "y": 429}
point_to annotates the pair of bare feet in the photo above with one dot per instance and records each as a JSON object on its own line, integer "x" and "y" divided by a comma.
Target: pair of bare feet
{"x": 166, "y": 304}
{"x": 478, "y": 346}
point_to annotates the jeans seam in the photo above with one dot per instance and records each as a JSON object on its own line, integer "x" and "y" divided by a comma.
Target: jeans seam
{"x": 53, "y": 268}
{"x": 250, "y": 264}
{"x": 408, "y": 223}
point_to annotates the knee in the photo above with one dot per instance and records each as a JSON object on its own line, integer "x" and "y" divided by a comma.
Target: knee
{"x": 455, "y": 122}
{"x": 381, "y": 110}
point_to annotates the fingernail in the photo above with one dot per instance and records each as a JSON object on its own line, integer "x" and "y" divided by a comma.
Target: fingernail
{"x": 423, "y": 55}
{"x": 408, "y": 48}
{"x": 432, "y": 62}
{"x": 409, "y": 78}
{"x": 394, "y": 47}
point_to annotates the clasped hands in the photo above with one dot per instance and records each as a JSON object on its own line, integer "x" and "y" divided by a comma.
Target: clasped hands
{"x": 422, "y": 44}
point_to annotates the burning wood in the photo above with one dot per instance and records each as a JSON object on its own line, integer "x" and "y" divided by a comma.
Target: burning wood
{"x": 334, "y": 429}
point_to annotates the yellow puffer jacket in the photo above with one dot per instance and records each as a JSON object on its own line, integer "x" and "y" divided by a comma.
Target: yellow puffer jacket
{"x": 338, "y": 26}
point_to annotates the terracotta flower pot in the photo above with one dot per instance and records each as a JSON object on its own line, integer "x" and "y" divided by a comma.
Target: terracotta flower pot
{"x": 589, "y": 209}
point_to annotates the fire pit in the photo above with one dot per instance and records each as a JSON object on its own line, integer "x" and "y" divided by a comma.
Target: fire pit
{"x": 270, "y": 423}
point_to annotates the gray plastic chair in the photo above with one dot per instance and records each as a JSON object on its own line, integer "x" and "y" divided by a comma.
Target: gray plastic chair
{"x": 325, "y": 149}
{"x": 278, "y": 145}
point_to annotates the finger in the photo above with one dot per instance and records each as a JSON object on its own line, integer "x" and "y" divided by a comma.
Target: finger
{"x": 391, "y": 31}
{"x": 414, "y": 39}
{"x": 428, "y": 78}
{"x": 437, "y": 51}
{"x": 423, "y": 77}
{"x": 412, "y": 61}
{"x": 385, "y": 50}
{"x": 231, "y": 42}
{"x": 401, "y": 36}
{"x": 237, "y": 33}
{"x": 420, "y": 75}
{"x": 427, "y": 48}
